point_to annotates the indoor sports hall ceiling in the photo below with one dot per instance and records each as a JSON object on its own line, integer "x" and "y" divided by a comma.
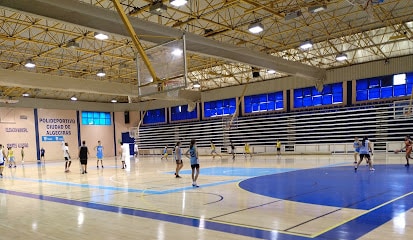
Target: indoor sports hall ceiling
{"x": 363, "y": 30}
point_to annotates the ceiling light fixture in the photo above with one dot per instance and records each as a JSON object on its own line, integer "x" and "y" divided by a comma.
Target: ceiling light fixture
{"x": 197, "y": 84}
{"x": 177, "y": 52}
{"x": 101, "y": 73}
{"x": 101, "y": 36}
{"x": 72, "y": 44}
{"x": 73, "y": 98}
{"x": 114, "y": 100}
{"x": 316, "y": 9}
{"x": 25, "y": 94}
{"x": 307, "y": 44}
{"x": 157, "y": 8}
{"x": 256, "y": 27}
{"x": 271, "y": 71}
{"x": 341, "y": 57}
{"x": 178, "y": 3}
{"x": 29, "y": 64}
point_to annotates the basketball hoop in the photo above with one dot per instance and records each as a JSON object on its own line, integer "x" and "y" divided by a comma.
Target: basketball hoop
{"x": 134, "y": 132}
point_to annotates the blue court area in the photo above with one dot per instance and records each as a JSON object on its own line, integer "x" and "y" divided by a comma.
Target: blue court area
{"x": 336, "y": 186}
{"x": 238, "y": 172}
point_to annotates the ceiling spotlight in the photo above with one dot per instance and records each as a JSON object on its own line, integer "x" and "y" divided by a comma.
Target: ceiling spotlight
{"x": 178, "y": 3}
{"x": 72, "y": 44}
{"x": 316, "y": 9}
{"x": 341, "y": 57}
{"x": 25, "y": 94}
{"x": 73, "y": 98}
{"x": 306, "y": 45}
{"x": 197, "y": 84}
{"x": 101, "y": 73}
{"x": 29, "y": 64}
{"x": 114, "y": 100}
{"x": 256, "y": 27}
{"x": 177, "y": 52}
{"x": 101, "y": 36}
{"x": 270, "y": 71}
{"x": 157, "y": 8}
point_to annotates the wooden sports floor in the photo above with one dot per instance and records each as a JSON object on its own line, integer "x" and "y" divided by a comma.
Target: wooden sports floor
{"x": 265, "y": 197}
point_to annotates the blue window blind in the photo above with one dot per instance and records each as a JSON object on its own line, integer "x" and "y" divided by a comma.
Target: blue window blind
{"x": 310, "y": 96}
{"x": 264, "y": 102}
{"x": 390, "y": 86}
{"x": 220, "y": 107}
{"x": 154, "y": 116}
{"x": 180, "y": 113}
{"x": 96, "y": 118}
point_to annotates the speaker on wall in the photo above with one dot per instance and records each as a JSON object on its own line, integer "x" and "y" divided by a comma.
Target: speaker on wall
{"x": 127, "y": 120}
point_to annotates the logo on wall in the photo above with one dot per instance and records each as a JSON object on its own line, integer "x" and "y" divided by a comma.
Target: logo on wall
{"x": 56, "y": 128}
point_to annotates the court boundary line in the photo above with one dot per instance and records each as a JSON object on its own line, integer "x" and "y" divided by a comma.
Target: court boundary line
{"x": 361, "y": 214}
{"x": 191, "y": 221}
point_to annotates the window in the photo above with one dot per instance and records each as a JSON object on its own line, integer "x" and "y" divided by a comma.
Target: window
{"x": 264, "y": 102}
{"x": 399, "y": 79}
{"x": 96, "y": 118}
{"x": 310, "y": 96}
{"x": 154, "y": 116}
{"x": 181, "y": 113}
{"x": 220, "y": 107}
{"x": 390, "y": 86}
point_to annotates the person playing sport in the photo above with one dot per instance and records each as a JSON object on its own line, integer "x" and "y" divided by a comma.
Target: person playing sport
{"x": 278, "y": 146}
{"x": 42, "y": 151}
{"x": 136, "y": 150}
{"x": 3, "y": 157}
{"x": 124, "y": 151}
{"x": 356, "y": 146}
{"x": 22, "y": 154}
{"x": 178, "y": 159}
{"x": 247, "y": 150}
{"x": 99, "y": 154}
{"x": 165, "y": 153}
{"x": 67, "y": 157}
{"x": 83, "y": 155}
{"x": 231, "y": 144}
{"x": 10, "y": 154}
{"x": 408, "y": 146}
{"x": 365, "y": 150}
{"x": 213, "y": 150}
{"x": 192, "y": 154}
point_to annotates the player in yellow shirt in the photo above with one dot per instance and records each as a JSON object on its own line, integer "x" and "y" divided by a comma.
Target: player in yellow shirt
{"x": 213, "y": 150}
{"x": 247, "y": 150}
{"x": 10, "y": 154}
{"x": 278, "y": 146}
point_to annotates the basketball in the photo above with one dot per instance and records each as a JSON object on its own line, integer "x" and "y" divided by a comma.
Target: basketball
{"x": 396, "y": 151}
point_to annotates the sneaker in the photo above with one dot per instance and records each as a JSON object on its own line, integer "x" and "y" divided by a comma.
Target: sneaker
{"x": 97, "y": 167}
{"x": 1, "y": 175}
{"x": 355, "y": 169}
{"x": 177, "y": 176}
{"x": 102, "y": 166}
{"x": 372, "y": 169}
{"x": 196, "y": 185}
{"x": 15, "y": 166}
{"x": 85, "y": 172}
{"x": 407, "y": 165}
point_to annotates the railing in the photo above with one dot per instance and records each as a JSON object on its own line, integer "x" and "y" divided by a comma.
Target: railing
{"x": 314, "y": 131}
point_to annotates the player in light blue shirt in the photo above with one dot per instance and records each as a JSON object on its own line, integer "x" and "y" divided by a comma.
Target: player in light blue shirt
{"x": 192, "y": 153}
{"x": 99, "y": 154}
